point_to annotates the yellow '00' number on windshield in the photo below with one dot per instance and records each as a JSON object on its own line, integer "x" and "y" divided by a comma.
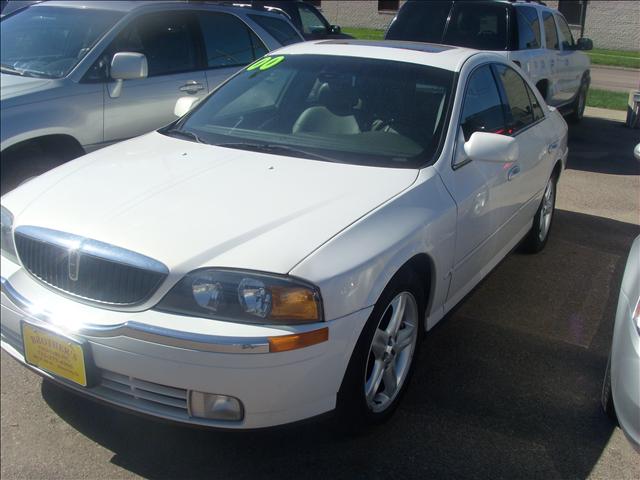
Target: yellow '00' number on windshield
{"x": 265, "y": 63}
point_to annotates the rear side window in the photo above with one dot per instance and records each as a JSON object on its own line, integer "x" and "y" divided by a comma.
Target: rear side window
{"x": 550, "y": 32}
{"x": 228, "y": 41}
{"x": 535, "y": 105}
{"x": 519, "y": 111}
{"x": 278, "y": 29}
{"x": 528, "y": 28}
{"x": 483, "y": 110}
{"x": 420, "y": 22}
{"x": 168, "y": 42}
{"x": 482, "y": 26}
{"x": 311, "y": 21}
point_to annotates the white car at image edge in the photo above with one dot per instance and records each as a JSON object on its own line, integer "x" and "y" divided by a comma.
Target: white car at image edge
{"x": 278, "y": 252}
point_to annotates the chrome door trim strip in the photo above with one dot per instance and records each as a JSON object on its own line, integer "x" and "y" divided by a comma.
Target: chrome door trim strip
{"x": 139, "y": 331}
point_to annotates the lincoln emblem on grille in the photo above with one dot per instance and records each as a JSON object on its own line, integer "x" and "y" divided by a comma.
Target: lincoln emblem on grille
{"x": 74, "y": 264}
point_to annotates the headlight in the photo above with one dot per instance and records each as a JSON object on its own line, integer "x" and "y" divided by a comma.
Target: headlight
{"x": 247, "y": 297}
{"x": 6, "y": 235}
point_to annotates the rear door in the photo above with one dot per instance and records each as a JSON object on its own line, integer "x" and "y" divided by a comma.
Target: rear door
{"x": 169, "y": 40}
{"x": 229, "y": 45}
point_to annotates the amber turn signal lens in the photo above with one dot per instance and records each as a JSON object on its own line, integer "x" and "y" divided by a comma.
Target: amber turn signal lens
{"x": 294, "y": 303}
{"x": 285, "y": 343}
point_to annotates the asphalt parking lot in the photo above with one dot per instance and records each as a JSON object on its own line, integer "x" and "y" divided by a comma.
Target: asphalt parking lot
{"x": 506, "y": 387}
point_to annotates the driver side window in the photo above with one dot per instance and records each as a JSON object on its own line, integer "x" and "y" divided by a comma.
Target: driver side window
{"x": 482, "y": 110}
{"x": 311, "y": 22}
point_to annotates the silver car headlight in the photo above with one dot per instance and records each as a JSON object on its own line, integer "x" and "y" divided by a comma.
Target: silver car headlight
{"x": 244, "y": 296}
{"x": 7, "y": 245}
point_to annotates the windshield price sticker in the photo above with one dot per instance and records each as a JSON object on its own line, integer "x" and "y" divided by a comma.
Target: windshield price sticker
{"x": 266, "y": 63}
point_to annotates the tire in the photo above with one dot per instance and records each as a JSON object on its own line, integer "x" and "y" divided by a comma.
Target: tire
{"x": 24, "y": 166}
{"x": 607, "y": 395}
{"x": 579, "y": 104}
{"x": 537, "y": 237}
{"x": 366, "y": 396}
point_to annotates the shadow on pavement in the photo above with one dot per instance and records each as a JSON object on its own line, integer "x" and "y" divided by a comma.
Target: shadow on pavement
{"x": 507, "y": 387}
{"x": 603, "y": 146}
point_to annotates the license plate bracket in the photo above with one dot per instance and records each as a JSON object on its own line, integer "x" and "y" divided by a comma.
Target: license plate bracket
{"x": 58, "y": 354}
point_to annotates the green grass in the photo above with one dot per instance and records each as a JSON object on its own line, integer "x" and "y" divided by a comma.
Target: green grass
{"x": 607, "y": 99}
{"x": 616, "y": 58}
{"x": 364, "y": 33}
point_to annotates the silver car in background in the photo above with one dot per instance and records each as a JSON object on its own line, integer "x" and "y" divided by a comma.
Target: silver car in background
{"x": 80, "y": 75}
{"x": 621, "y": 390}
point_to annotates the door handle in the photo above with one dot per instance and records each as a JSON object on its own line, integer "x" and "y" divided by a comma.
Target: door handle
{"x": 513, "y": 171}
{"x": 192, "y": 87}
{"x": 552, "y": 147}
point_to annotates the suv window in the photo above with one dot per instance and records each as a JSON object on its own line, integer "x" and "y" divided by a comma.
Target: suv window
{"x": 482, "y": 110}
{"x": 278, "y": 29}
{"x": 228, "y": 41}
{"x": 550, "y": 32}
{"x": 312, "y": 23}
{"x": 518, "y": 107}
{"x": 482, "y": 26}
{"x": 566, "y": 38}
{"x": 420, "y": 22}
{"x": 168, "y": 42}
{"x": 528, "y": 28}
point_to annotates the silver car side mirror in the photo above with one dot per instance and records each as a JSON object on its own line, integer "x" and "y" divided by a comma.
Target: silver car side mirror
{"x": 126, "y": 66}
{"x": 183, "y": 105}
{"x": 491, "y": 147}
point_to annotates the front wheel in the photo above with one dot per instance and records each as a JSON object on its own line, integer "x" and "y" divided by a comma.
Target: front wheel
{"x": 579, "y": 105}
{"x": 382, "y": 361}
{"x": 537, "y": 237}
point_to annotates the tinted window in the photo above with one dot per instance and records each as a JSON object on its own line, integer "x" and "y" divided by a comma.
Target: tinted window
{"x": 420, "y": 22}
{"x": 550, "y": 34}
{"x": 537, "y": 109}
{"x": 482, "y": 111}
{"x": 278, "y": 29}
{"x": 49, "y": 41}
{"x": 228, "y": 40}
{"x": 166, "y": 40}
{"x": 483, "y": 27}
{"x": 312, "y": 23}
{"x": 346, "y": 109}
{"x": 519, "y": 111}
{"x": 528, "y": 28}
{"x": 565, "y": 34}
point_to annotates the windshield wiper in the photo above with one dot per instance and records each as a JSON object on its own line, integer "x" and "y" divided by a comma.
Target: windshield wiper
{"x": 9, "y": 69}
{"x": 276, "y": 148}
{"x": 185, "y": 134}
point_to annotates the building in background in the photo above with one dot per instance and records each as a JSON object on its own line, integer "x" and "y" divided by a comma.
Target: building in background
{"x": 613, "y": 24}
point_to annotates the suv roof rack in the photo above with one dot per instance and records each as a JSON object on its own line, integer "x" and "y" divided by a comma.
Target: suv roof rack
{"x": 529, "y": 1}
{"x": 260, "y": 5}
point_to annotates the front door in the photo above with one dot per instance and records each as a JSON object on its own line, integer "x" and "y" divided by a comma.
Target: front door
{"x": 170, "y": 43}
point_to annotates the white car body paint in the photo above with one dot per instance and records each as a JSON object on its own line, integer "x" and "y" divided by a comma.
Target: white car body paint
{"x": 347, "y": 229}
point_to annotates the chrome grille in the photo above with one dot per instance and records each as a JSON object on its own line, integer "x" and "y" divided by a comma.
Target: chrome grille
{"x": 88, "y": 269}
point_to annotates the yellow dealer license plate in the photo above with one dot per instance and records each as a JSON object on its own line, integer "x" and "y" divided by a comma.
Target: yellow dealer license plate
{"x": 55, "y": 354}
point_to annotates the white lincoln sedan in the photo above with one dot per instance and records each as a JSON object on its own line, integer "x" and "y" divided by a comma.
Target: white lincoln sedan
{"x": 278, "y": 252}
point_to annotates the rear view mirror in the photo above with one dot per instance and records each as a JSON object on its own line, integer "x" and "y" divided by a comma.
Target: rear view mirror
{"x": 584, "y": 44}
{"x": 126, "y": 66}
{"x": 491, "y": 147}
{"x": 183, "y": 105}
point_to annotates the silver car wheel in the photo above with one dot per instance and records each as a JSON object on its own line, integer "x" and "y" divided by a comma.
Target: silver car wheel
{"x": 391, "y": 352}
{"x": 546, "y": 213}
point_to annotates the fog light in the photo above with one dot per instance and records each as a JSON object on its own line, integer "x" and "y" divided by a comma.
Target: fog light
{"x": 215, "y": 407}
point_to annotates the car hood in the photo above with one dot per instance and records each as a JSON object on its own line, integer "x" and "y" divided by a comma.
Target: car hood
{"x": 14, "y": 86}
{"x": 190, "y": 205}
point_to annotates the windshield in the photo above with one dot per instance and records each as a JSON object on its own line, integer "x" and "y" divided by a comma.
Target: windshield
{"x": 345, "y": 109}
{"x": 49, "y": 41}
{"x": 482, "y": 26}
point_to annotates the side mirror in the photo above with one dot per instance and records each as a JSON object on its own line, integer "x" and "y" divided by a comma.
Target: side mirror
{"x": 183, "y": 105}
{"x": 126, "y": 66}
{"x": 491, "y": 147}
{"x": 335, "y": 29}
{"x": 584, "y": 44}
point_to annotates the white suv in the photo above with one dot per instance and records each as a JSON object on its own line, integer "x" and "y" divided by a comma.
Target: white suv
{"x": 532, "y": 35}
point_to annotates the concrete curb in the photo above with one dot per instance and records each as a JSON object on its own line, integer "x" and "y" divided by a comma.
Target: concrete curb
{"x": 616, "y": 115}
{"x": 607, "y": 67}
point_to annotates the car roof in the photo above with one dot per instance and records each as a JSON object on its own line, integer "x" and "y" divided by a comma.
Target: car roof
{"x": 431, "y": 54}
{"x": 131, "y": 5}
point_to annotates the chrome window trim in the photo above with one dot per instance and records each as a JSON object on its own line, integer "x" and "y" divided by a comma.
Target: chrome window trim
{"x": 138, "y": 331}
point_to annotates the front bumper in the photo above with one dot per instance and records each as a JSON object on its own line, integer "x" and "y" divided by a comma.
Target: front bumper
{"x": 146, "y": 364}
